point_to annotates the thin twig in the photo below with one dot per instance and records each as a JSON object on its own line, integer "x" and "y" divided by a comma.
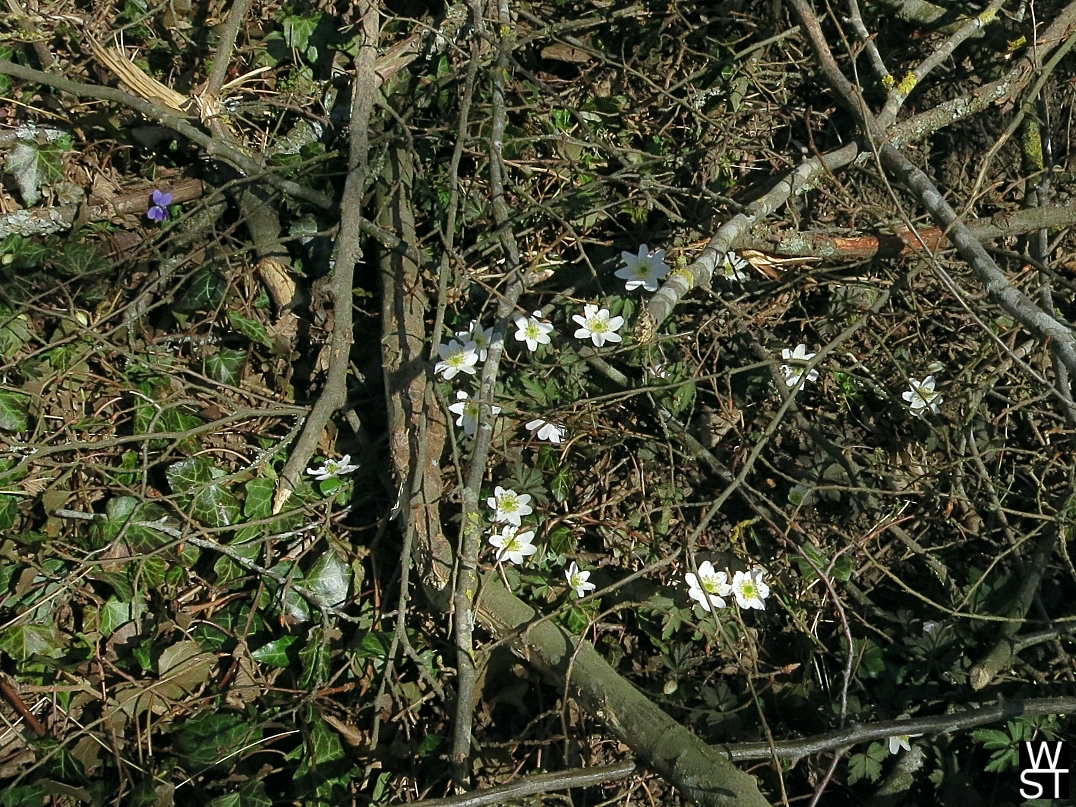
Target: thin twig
{"x": 471, "y": 528}
{"x": 222, "y": 56}
{"x": 532, "y": 785}
{"x": 348, "y": 253}
{"x": 941, "y": 724}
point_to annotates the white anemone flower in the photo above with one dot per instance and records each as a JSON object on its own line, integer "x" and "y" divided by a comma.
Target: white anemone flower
{"x": 749, "y": 590}
{"x": 479, "y": 335}
{"x": 456, "y": 358}
{"x": 533, "y": 331}
{"x": 732, "y": 266}
{"x": 709, "y": 587}
{"x": 794, "y": 373}
{"x": 597, "y": 325}
{"x": 509, "y": 506}
{"x": 552, "y": 432}
{"x": 468, "y": 409}
{"x": 644, "y": 269}
{"x": 922, "y": 396}
{"x": 577, "y": 580}
{"x": 900, "y": 742}
{"x": 513, "y": 545}
{"x": 333, "y": 468}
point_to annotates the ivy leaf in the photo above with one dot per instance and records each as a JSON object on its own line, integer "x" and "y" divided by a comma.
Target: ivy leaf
{"x": 116, "y": 612}
{"x": 14, "y": 332}
{"x": 23, "y": 795}
{"x": 298, "y": 31}
{"x": 561, "y": 485}
{"x": 329, "y": 579}
{"x": 13, "y": 410}
{"x": 250, "y": 794}
{"x": 22, "y": 642}
{"x": 227, "y": 569}
{"x": 225, "y": 366}
{"x": 210, "y": 740}
{"x": 187, "y": 476}
{"x": 216, "y": 506}
{"x": 314, "y": 657}
{"x": 33, "y": 165}
{"x": 8, "y": 511}
{"x": 250, "y": 328}
{"x": 78, "y": 260}
{"x": 204, "y": 292}
{"x": 275, "y": 654}
{"x": 259, "y": 501}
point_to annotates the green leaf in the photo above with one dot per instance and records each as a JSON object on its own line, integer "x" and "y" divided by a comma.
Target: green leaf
{"x": 290, "y": 602}
{"x": 115, "y": 613}
{"x": 275, "y": 653}
{"x": 871, "y": 659}
{"x": 128, "y": 473}
{"x": 375, "y": 644}
{"x": 23, "y": 796}
{"x": 329, "y": 579}
{"x": 323, "y": 774}
{"x": 259, "y": 501}
{"x": 79, "y": 259}
{"x": 225, "y": 366}
{"x": 211, "y": 740}
{"x": 561, "y": 485}
{"x": 14, "y": 332}
{"x": 863, "y": 766}
{"x": 227, "y": 569}
{"x": 20, "y": 252}
{"x": 536, "y": 392}
{"x": 561, "y": 541}
{"x": 152, "y": 417}
{"x": 249, "y": 794}
{"x": 32, "y": 165}
{"x": 250, "y": 328}
{"x": 429, "y": 744}
{"x": 576, "y": 620}
{"x": 22, "y": 642}
{"x": 205, "y": 292}
{"x": 314, "y": 657}
{"x": 13, "y": 411}
{"x": 297, "y": 33}
{"x": 8, "y": 511}
{"x": 187, "y": 476}
{"x": 216, "y": 506}
{"x": 682, "y": 398}
{"x": 991, "y": 738}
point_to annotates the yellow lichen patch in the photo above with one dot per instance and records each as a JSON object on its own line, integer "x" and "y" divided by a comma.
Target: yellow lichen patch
{"x": 1016, "y": 44}
{"x": 685, "y": 274}
{"x": 907, "y": 84}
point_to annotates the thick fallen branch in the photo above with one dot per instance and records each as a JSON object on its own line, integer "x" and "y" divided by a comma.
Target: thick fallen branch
{"x": 904, "y": 242}
{"x": 417, "y": 425}
{"x": 699, "y": 771}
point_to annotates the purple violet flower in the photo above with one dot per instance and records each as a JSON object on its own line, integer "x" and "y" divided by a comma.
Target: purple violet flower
{"x": 159, "y": 209}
